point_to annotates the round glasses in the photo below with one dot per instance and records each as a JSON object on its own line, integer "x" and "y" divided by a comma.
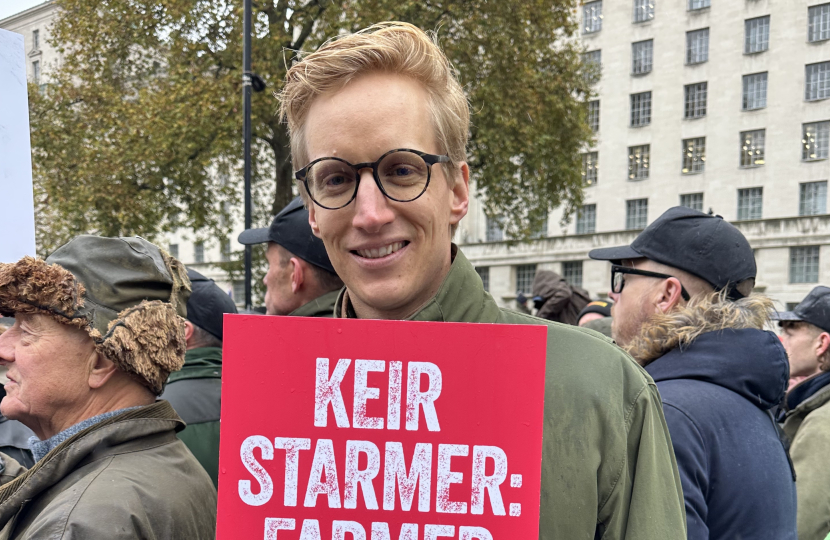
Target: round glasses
{"x": 402, "y": 175}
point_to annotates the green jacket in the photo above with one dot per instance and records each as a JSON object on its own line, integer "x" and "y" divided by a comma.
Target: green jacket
{"x": 195, "y": 393}
{"x": 608, "y": 468}
{"x": 124, "y": 478}
{"x": 808, "y": 427}
{"x": 322, "y": 306}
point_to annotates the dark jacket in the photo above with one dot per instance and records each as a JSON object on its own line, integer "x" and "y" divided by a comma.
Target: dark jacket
{"x": 124, "y": 478}
{"x": 717, "y": 392}
{"x": 322, "y": 306}
{"x": 562, "y": 302}
{"x": 195, "y": 393}
{"x": 807, "y": 424}
{"x": 607, "y": 467}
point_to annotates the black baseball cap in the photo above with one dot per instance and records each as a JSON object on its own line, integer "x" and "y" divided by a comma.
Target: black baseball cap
{"x": 291, "y": 230}
{"x": 207, "y": 304}
{"x": 703, "y": 245}
{"x": 814, "y": 309}
{"x": 603, "y": 307}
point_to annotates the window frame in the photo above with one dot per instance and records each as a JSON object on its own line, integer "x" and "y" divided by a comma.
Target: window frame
{"x": 823, "y": 33}
{"x": 642, "y": 109}
{"x": 690, "y": 5}
{"x": 571, "y": 269}
{"x": 523, "y": 279}
{"x": 694, "y": 46}
{"x": 590, "y": 168}
{"x": 748, "y": 27}
{"x": 761, "y": 78}
{"x": 595, "y": 17}
{"x": 642, "y": 58}
{"x": 696, "y": 195}
{"x": 799, "y": 256}
{"x": 822, "y": 83}
{"x": 694, "y": 104}
{"x": 586, "y": 219}
{"x": 643, "y": 6}
{"x": 638, "y": 165}
{"x": 822, "y": 135}
{"x": 594, "y": 115}
{"x": 745, "y": 160}
{"x": 820, "y": 194}
{"x": 752, "y": 198}
{"x": 641, "y": 215}
{"x": 696, "y": 162}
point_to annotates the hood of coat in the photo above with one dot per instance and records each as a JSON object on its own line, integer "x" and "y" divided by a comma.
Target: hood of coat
{"x": 547, "y": 282}
{"x": 720, "y": 342}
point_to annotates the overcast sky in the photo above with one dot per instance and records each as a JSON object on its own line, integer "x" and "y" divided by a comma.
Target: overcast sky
{"x": 10, "y": 7}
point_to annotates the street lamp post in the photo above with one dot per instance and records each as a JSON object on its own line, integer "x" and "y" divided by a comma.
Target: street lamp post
{"x": 246, "y": 135}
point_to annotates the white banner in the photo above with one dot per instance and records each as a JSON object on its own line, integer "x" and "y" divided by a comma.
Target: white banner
{"x": 18, "y": 237}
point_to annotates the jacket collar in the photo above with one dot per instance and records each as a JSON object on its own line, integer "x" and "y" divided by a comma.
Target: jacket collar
{"x": 199, "y": 363}
{"x": 810, "y": 394}
{"x": 95, "y": 442}
{"x": 322, "y": 306}
{"x": 461, "y": 297}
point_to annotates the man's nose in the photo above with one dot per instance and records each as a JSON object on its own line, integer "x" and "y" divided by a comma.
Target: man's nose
{"x": 6, "y": 349}
{"x": 614, "y": 296}
{"x": 372, "y": 209}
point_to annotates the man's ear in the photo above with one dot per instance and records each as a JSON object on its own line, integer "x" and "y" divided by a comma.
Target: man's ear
{"x": 188, "y": 330}
{"x": 668, "y": 294}
{"x": 460, "y": 194}
{"x": 101, "y": 371}
{"x": 823, "y": 344}
{"x": 312, "y": 219}
{"x": 297, "y": 274}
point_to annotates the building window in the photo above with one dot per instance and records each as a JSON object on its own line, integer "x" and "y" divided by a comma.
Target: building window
{"x": 642, "y": 56}
{"x": 697, "y": 46}
{"x": 572, "y": 272}
{"x": 750, "y": 203}
{"x": 695, "y": 100}
{"x": 36, "y": 72}
{"x": 755, "y": 91}
{"x": 592, "y": 61}
{"x": 636, "y": 214}
{"x": 698, "y": 4}
{"x": 35, "y": 40}
{"x": 817, "y": 81}
{"x": 593, "y": 115}
{"x": 238, "y": 292}
{"x": 173, "y": 250}
{"x": 640, "y": 109}
{"x": 756, "y": 35}
{"x": 815, "y": 141}
{"x": 225, "y": 250}
{"x": 199, "y": 252}
{"x": 692, "y": 200}
{"x": 818, "y": 28}
{"x": 804, "y": 264}
{"x": 638, "y": 158}
{"x": 752, "y": 148}
{"x": 590, "y": 168}
{"x": 694, "y": 155}
{"x": 643, "y": 10}
{"x": 812, "y": 199}
{"x": 494, "y": 232}
{"x": 484, "y": 274}
{"x": 592, "y": 17}
{"x": 586, "y": 219}
{"x": 525, "y": 273}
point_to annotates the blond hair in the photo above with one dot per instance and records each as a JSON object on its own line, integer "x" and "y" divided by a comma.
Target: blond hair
{"x": 391, "y": 47}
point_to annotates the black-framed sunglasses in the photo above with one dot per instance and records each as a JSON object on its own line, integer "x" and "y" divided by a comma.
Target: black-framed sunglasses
{"x": 618, "y": 278}
{"x": 402, "y": 175}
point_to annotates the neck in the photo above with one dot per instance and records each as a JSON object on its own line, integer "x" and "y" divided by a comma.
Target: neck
{"x": 398, "y": 313}
{"x": 97, "y": 404}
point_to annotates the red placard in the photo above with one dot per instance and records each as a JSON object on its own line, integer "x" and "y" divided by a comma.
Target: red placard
{"x": 338, "y": 429}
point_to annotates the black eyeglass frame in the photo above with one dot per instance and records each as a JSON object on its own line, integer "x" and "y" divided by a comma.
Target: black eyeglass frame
{"x": 429, "y": 159}
{"x": 618, "y": 269}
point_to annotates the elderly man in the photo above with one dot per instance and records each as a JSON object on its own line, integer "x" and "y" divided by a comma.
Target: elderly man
{"x": 98, "y": 328}
{"x": 300, "y": 281}
{"x": 379, "y": 129}
{"x": 195, "y": 391}
{"x": 806, "y": 336}
{"x": 683, "y": 308}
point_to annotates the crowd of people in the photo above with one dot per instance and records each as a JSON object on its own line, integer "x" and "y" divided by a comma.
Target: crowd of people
{"x": 682, "y": 426}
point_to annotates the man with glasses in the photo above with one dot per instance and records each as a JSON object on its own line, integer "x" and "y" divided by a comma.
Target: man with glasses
{"x": 379, "y": 129}
{"x": 684, "y": 308}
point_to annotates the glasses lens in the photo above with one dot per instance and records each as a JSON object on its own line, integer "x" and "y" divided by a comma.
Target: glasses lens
{"x": 331, "y": 183}
{"x": 617, "y": 282}
{"x": 403, "y": 175}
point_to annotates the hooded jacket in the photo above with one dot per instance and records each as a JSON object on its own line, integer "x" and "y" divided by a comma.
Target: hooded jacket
{"x": 562, "y": 302}
{"x": 126, "y": 477}
{"x": 608, "y": 471}
{"x": 719, "y": 376}
{"x": 807, "y": 424}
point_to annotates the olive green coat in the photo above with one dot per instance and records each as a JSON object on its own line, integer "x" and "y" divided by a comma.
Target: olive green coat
{"x": 126, "y": 477}
{"x": 808, "y": 427}
{"x": 608, "y": 468}
{"x": 322, "y": 306}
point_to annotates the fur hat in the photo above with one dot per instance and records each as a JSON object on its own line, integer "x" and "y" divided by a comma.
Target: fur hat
{"x": 128, "y": 294}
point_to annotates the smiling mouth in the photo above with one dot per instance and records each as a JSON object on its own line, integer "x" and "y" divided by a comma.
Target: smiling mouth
{"x": 377, "y": 253}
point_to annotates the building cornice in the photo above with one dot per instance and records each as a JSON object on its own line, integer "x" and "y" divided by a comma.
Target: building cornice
{"x": 28, "y": 13}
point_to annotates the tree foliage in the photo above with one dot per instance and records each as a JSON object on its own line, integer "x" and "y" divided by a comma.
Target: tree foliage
{"x": 142, "y": 121}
